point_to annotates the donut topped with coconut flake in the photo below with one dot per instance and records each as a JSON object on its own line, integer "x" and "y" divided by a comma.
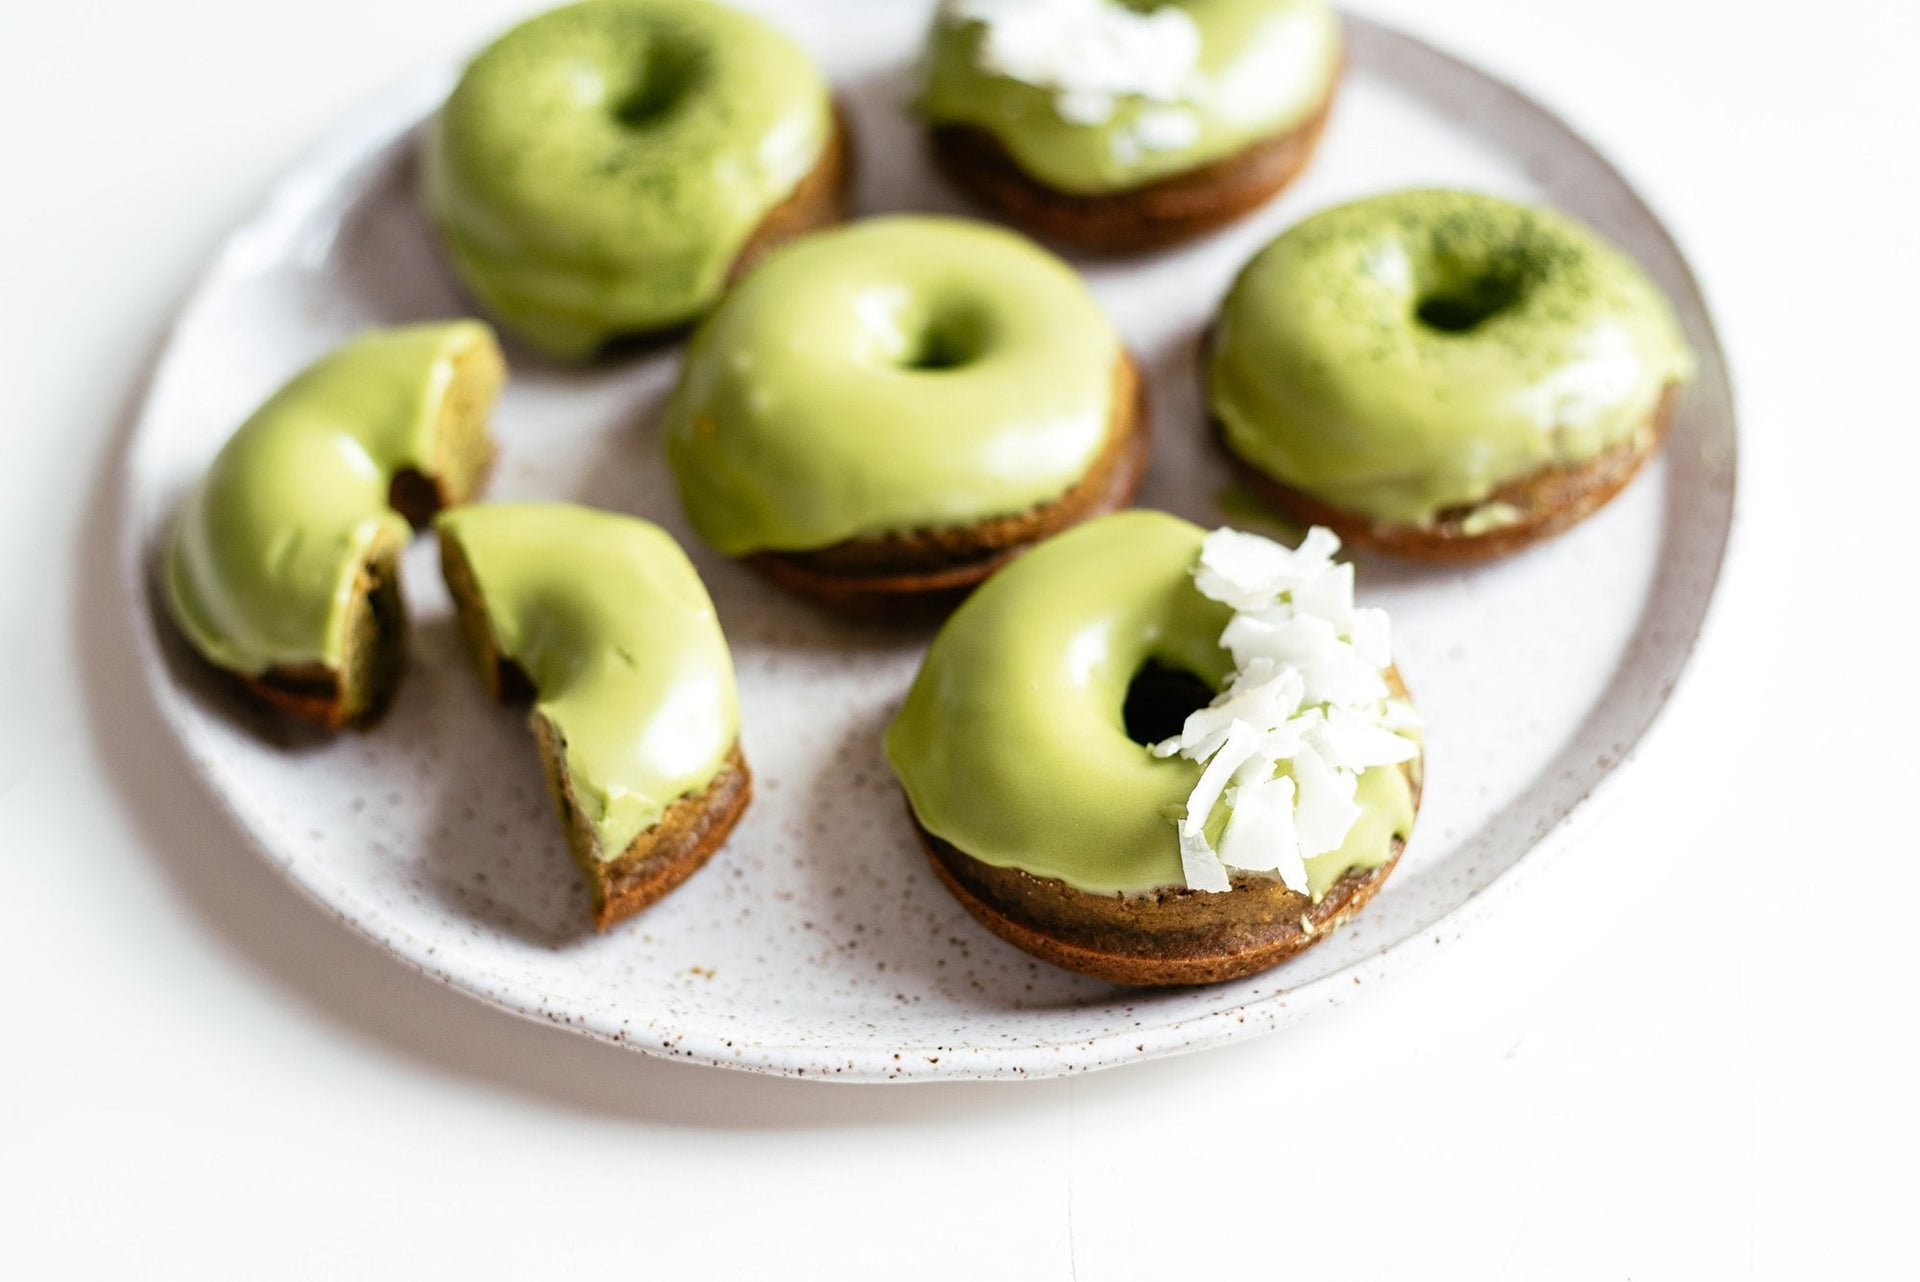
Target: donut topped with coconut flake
{"x": 1139, "y": 705}
{"x": 1093, "y": 96}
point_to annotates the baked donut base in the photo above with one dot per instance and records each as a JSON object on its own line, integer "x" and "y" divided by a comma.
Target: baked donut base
{"x": 1548, "y": 501}
{"x": 924, "y": 574}
{"x": 1173, "y": 936}
{"x": 1160, "y": 213}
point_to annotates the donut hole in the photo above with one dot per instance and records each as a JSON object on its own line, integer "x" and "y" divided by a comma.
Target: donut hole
{"x": 1463, "y": 305}
{"x": 1159, "y": 700}
{"x": 664, "y": 78}
{"x": 949, "y": 339}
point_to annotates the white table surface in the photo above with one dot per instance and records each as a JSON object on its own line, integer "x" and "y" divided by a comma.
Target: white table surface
{"x": 1683, "y": 1049}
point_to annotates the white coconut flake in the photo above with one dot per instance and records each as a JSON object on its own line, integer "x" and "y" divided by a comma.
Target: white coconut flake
{"x": 1343, "y": 678}
{"x": 1370, "y": 637}
{"x": 1326, "y": 811}
{"x": 1401, "y": 716}
{"x": 1261, "y": 705}
{"x": 1297, "y": 642}
{"x": 1241, "y": 743}
{"x": 1084, "y": 106}
{"x": 1261, "y": 835}
{"x": 1091, "y": 54}
{"x": 1328, "y": 595}
{"x": 1358, "y": 742}
{"x": 1249, "y": 572}
{"x": 1201, "y": 866}
{"x": 1304, "y": 713}
{"x": 1166, "y": 128}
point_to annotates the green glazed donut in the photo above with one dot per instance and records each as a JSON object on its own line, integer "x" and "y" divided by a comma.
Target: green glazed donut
{"x": 600, "y": 169}
{"x": 1013, "y": 747}
{"x": 283, "y": 562}
{"x": 902, "y": 373}
{"x": 1177, "y": 85}
{"x": 1410, "y": 365}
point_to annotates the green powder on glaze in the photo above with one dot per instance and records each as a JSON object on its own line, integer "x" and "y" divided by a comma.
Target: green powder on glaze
{"x": 611, "y": 624}
{"x": 1408, "y": 354}
{"x": 600, "y": 167}
{"x": 1011, "y": 744}
{"x": 1265, "y": 67}
{"x": 266, "y": 549}
{"x": 898, "y": 374}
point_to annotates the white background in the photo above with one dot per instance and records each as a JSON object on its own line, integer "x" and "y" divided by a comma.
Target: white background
{"x": 1681, "y": 1050}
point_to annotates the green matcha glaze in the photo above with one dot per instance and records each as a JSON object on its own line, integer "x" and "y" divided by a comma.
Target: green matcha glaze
{"x": 897, "y": 374}
{"x": 1011, "y": 744}
{"x": 1409, "y": 354}
{"x": 266, "y": 549}
{"x": 1265, "y": 66}
{"x": 611, "y": 624}
{"x": 599, "y": 168}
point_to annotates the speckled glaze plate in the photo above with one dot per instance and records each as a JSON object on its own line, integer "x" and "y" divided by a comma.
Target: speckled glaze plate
{"x": 818, "y": 943}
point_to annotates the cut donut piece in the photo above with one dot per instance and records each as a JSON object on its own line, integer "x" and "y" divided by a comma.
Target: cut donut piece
{"x": 603, "y": 621}
{"x": 282, "y": 567}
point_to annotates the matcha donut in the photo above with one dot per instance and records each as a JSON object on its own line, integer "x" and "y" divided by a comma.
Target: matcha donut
{"x": 283, "y": 563}
{"x": 882, "y": 414}
{"x": 606, "y": 622}
{"x": 1442, "y": 374}
{"x": 1058, "y": 783}
{"x": 604, "y": 169}
{"x": 1121, "y": 125}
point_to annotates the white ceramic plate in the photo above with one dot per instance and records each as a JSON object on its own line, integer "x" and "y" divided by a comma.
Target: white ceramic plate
{"x": 818, "y": 942}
